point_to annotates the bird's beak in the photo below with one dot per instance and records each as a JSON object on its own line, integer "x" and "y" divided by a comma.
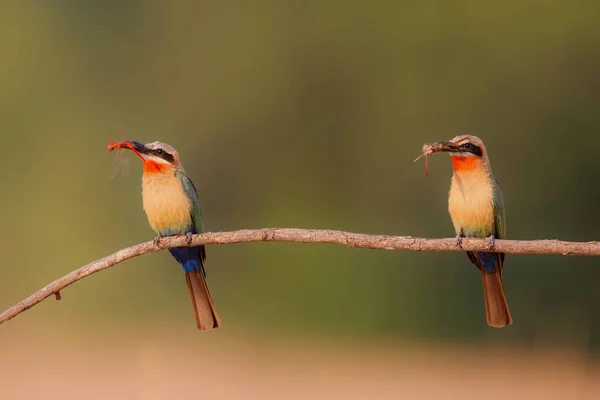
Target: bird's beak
{"x": 137, "y": 147}
{"x": 445, "y": 146}
{"x": 140, "y": 149}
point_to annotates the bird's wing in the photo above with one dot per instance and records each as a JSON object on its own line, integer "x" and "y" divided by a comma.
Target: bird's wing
{"x": 190, "y": 191}
{"x": 499, "y": 218}
{"x": 195, "y": 212}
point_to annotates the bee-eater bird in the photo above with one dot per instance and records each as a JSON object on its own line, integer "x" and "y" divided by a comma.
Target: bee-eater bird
{"x": 171, "y": 204}
{"x": 477, "y": 210}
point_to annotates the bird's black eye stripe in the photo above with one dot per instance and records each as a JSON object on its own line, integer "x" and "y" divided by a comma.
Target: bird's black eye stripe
{"x": 164, "y": 155}
{"x": 473, "y": 149}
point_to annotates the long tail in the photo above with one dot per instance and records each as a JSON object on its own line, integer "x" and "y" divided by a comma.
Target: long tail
{"x": 496, "y": 307}
{"x": 204, "y": 309}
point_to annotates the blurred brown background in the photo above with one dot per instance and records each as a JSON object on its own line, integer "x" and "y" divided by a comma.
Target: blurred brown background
{"x": 298, "y": 114}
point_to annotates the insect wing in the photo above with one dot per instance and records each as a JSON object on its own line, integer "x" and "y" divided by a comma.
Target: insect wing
{"x": 120, "y": 163}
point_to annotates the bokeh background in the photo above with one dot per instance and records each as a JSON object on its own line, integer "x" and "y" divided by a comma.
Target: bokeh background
{"x": 298, "y": 114}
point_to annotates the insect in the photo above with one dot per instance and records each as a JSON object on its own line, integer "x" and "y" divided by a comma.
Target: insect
{"x": 426, "y": 151}
{"x": 120, "y": 162}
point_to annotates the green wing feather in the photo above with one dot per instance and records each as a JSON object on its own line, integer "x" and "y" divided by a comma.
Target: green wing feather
{"x": 190, "y": 191}
{"x": 195, "y": 212}
{"x": 499, "y": 218}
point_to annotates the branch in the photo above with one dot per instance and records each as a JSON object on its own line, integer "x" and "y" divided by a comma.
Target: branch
{"x": 358, "y": 240}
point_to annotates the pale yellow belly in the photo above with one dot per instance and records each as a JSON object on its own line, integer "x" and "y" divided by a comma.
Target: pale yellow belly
{"x": 166, "y": 204}
{"x": 470, "y": 204}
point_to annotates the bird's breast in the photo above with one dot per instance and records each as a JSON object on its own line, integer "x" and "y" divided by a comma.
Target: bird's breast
{"x": 470, "y": 203}
{"x": 166, "y": 204}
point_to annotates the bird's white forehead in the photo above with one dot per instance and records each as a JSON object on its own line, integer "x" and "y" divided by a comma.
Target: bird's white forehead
{"x": 461, "y": 139}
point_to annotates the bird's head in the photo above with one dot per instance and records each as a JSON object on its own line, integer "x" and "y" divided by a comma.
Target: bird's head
{"x": 156, "y": 156}
{"x": 467, "y": 152}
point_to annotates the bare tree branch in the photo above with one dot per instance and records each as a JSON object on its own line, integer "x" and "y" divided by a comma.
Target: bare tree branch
{"x": 358, "y": 240}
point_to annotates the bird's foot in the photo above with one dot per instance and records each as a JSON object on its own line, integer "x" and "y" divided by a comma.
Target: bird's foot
{"x": 459, "y": 239}
{"x": 156, "y": 241}
{"x": 188, "y": 238}
{"x": 491, "y": 242}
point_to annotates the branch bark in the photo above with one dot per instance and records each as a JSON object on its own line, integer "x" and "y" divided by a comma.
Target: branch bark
{"x": 349, "y": 239}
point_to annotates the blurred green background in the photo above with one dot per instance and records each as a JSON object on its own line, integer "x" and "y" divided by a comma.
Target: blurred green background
{"x": 309, "y": 115}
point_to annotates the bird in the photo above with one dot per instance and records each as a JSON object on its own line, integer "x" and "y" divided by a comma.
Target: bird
{"x": 476, "y": 209}
{"x": 170, "y": 201}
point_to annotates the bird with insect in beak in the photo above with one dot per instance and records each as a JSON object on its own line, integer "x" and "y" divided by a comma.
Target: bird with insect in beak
{"x": 171, "y": 203}
{"x": 477, "y": 210}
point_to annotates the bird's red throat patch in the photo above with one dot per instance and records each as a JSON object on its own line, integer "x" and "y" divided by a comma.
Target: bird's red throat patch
{"x": 152, "y": 167}
{"x": 462, "y": 163}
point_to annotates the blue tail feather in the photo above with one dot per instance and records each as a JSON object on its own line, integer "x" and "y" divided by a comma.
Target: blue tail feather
{"x": 488, "y": 260}
{"x": 189, "y": 258}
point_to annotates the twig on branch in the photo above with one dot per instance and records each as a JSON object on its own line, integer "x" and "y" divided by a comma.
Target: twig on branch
{"x": 358, "y": 240}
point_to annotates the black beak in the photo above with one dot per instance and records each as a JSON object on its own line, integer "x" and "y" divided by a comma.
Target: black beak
{"x": 139, "y": 147}
{"x": 445, "y": 146}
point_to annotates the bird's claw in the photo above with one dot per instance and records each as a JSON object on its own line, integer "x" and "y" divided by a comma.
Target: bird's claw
{"x": 156, "y": 241}
{"x": 459, "y": 240}
{"x": 188, "y": 238}
{"x": 491, "y": 242}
